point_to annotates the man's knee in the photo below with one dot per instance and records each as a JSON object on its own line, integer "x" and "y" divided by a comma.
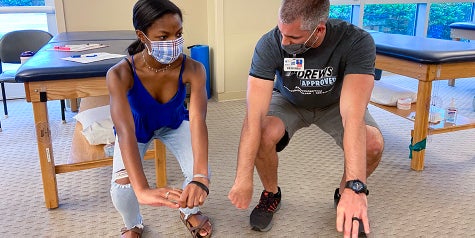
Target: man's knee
{"x": 374, "y": 145}
{"x": 375, "y": 148}
{"x": 273, "y": 132}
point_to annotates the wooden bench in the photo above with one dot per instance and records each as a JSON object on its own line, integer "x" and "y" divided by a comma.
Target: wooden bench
{"x": 86, "y": 156}
{"x": 425, "y": 60}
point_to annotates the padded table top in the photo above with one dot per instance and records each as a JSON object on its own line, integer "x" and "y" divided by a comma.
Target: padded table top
{"x": 47, "y": 64}
{"x": 94, "y": 35}
{"x": 463, "y": 25}
{"x": 423, "y": 50}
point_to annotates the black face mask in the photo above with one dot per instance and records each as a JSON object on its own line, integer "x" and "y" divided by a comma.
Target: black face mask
{"x": 295, "y": 49}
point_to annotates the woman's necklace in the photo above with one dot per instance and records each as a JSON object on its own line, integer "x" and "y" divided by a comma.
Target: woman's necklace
{"x": 154, "y": 69}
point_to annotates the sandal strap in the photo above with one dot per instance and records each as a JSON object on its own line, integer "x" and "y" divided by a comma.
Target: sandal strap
{"x": 195, "y": 230}
{"x": 199, "y": 227}
{"x": 135, "y": 229}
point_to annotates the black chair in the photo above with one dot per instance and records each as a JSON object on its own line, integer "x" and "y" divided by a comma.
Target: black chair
{"x": 12, "y": 44}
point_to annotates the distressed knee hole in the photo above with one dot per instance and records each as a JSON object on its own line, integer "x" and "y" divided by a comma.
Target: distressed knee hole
{"x": 121, "y": 177}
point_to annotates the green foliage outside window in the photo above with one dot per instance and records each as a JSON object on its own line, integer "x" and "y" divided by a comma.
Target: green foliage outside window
{"x": 443, "y": 14}
{"x": 10, "y": 3}
{"x": 390, "y": 18}
{"x": 400, "y": 18}
{"x": 342, "y": 12}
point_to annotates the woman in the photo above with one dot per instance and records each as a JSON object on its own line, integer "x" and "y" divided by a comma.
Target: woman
{"x": 147, "y": 93}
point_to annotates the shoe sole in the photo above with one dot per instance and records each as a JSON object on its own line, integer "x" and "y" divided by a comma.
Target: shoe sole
{"x": 268, "y": 227}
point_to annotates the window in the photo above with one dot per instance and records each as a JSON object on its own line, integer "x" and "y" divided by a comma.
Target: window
{"x": 4, "y": 3}
{"x": 429, "y": 18}
{"x": 27, "y": 14}
{"x": 342, "y": 12}
{"x": 390, "y": 18}
{"x": 443, "y": 14}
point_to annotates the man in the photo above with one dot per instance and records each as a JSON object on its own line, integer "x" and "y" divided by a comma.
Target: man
{"x": 324, "y": 72}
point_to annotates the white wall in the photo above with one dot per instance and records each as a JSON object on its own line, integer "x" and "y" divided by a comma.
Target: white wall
{"x": 230, "y": 28}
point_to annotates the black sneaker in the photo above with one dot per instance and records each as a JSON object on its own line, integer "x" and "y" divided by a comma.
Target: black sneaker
{"x": 261, "y": 216}
{"x": 336, "y": 200}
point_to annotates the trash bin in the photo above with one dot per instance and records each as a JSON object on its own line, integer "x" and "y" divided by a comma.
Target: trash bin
{"x": 200, "y": 53}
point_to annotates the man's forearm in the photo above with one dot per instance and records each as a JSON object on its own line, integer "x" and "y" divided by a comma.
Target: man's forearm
{"x": 354, "y": 142}
{"x": 248, "y": 146}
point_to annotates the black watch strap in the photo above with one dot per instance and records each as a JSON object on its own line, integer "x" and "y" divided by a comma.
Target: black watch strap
{"x": 357, "y": 186}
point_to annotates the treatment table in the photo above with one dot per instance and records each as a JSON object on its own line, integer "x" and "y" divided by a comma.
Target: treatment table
{"x": 462, "y": 30}
{"x": 47, "y": 77}
{"x": 426, "y": 60}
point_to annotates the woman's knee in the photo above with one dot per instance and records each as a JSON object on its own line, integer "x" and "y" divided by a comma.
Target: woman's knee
{"x": 121, "y": 177}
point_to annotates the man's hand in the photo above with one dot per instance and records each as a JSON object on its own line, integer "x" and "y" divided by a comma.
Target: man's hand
{"x": 351, "y": 206}
{"x": 241, "y": 194}
{"x": 160, "y": 197}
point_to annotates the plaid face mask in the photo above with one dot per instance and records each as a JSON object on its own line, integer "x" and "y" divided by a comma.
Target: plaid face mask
{"x": 166, "y": 52}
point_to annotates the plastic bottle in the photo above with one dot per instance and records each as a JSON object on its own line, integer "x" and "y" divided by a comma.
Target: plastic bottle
{"x": 451, "y": 112}
{"x": 109, "y": 149}
{"x": 24, "y": 56}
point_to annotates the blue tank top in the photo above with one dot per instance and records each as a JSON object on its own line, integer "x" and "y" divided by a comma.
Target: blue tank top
{"x": 149, "y": 114}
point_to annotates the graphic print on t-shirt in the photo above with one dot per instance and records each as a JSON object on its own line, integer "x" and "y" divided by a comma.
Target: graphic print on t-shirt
{"x": 310, "y": 81}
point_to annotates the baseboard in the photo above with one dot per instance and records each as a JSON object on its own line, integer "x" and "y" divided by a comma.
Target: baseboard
{"x": 229, "y": 96}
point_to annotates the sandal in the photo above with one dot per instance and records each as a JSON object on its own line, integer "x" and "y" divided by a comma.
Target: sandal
{"x": 195, "y": 231}
{"x": 137, "y": 232}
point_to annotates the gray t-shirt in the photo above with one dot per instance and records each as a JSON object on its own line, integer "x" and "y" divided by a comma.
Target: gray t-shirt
{"x": 346, "y": 49}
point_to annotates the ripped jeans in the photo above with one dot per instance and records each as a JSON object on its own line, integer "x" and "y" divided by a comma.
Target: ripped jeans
{"x": 178, "y": 142}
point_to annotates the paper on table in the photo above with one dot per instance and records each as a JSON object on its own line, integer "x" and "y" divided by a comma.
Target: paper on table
{"x": 92, "y": 57}
{"x": 77, "y": 48}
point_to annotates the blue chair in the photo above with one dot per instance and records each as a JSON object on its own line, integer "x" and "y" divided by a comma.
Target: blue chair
{"x": 12, "y": 44}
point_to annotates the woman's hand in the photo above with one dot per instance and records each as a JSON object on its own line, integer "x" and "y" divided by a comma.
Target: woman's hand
{"x": 158, "y": 197}
{"x": 194, "y": 195}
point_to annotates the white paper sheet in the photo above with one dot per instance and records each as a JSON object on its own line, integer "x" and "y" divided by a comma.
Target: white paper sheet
{"x": 92, "y": 57}
{"x": 77, "y": 48}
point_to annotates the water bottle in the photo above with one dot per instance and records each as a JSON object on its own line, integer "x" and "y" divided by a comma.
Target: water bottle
{"x": 451, "y": 112}
{"x": 24, "y": 56}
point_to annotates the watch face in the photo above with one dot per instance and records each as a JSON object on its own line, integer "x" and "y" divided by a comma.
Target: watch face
{"x": 358, "y": 186}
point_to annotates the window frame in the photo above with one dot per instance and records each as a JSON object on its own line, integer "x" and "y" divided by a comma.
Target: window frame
{"x": 422, "y": 10}
{"x": 48, "y": 9}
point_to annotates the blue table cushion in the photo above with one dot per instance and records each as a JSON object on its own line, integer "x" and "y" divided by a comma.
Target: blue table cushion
{"x": 463, "y": 25}
{"x": 94, "y": 35}
{"x": 423, "y": 50}
{"x": 47, "y": 64}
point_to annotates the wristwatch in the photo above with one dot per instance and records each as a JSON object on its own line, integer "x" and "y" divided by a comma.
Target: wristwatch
{"x": 357, "y": 186}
